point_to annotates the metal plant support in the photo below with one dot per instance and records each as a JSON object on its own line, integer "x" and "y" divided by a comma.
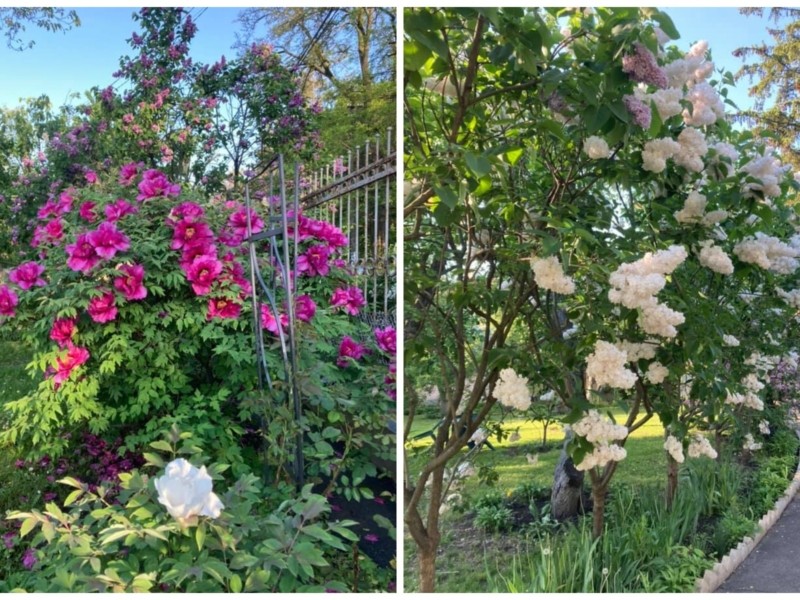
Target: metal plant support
{"x": 281, "y": 274}
{"x": 356, "y": 196}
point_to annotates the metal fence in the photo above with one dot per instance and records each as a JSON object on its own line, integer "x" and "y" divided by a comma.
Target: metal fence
{"x": 357, "y": 194}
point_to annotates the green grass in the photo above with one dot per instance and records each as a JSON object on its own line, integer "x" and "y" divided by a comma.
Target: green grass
{"x": 646, "y": 463}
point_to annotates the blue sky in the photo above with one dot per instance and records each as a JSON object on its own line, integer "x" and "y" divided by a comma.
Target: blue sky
{"x": 74, "y": 61}
{"x": 85, "y": 56}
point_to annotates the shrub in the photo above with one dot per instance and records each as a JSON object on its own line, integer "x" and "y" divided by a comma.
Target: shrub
{"x": 137, "y": 312}
{"x": 135, "y": 545}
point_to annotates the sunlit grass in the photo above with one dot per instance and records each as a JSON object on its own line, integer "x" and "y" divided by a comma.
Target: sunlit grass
{"x": 645, "y": 464}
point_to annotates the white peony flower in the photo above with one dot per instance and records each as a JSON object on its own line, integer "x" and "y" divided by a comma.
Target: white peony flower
{"x": 186, "y": 492}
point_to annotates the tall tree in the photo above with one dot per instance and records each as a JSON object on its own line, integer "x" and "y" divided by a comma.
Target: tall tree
{"x": 774, "y": 75}
{"x": 14, "y": 19}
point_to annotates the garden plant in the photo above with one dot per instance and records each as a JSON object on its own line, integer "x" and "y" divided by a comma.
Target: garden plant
{"x": 159, "y": 462}
{"x": 588, "y": 233}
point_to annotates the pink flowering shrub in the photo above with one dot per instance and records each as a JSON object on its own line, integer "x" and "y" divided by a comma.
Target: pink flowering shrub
{"x": 140, "y": 317}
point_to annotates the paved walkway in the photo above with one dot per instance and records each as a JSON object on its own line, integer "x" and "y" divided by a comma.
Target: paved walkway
{"x": 774, "y": 565}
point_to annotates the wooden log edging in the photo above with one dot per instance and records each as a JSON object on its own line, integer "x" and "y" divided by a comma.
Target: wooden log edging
{"x": 716, "y": 575}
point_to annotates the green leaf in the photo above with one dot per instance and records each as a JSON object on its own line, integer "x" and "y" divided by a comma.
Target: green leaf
{"x": 478, "y": 164}
{"x": 27, "y": 525}
{"x": 200, "y": 536}
{"x": 72, "y": 482}
{"x": 162, "y": 445}
{"x": 236, "y": 584}
{"x": 514, "y": 155}
{"x": 665, "y": 22}
{"x": 153, "y": 459}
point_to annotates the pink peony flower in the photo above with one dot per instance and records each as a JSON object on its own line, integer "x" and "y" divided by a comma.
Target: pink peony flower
{"x": 304, "y": 308}
{"x": 8, "y": 301}
{"x": 130, "y": 284}
{"x": 270, "y": 323}
{"x": 351, "y": 299}
{"x": 120, "y": 208}
{"x": 103, "y": 308}
{"x": 27, "y": 275}
{"x": 82, "y": 254}
{"x": 314, "y": 261}
{"x": 238, "y": 222}
{"x": 74, "y": 358}
{"x": 108, "y": 240}
{"x": 91, "y": 177}
{"x": 222, "y": 308}
{"x": 64, "y": 203}
{"x": 50, "y": 233}
{"x": 189, "y": 254}
{"x": 387, "y": 339}
{"x": 234, "y": 272}
{"x": 154, "y": 184}
{"x": 190, "y": 233}
{"x": 349, "y": 349}
{"x": 87, "y": 213}
{"x": 188, "y": 211}
{"x": 62, "y": 331}
{"x": 128, "y": 172}
{"x": 202, "y": 273}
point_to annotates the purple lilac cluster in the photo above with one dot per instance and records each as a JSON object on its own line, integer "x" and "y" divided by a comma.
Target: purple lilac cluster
{"x": 785, "y": 382}
{"x": 642, "y": 67}
{"x": 638, "y": 110}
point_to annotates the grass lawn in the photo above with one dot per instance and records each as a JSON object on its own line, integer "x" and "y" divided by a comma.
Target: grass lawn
{"x": 646, "y": 463}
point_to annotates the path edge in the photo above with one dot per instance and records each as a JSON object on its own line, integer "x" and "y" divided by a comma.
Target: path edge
{"x": 724, "y": 568}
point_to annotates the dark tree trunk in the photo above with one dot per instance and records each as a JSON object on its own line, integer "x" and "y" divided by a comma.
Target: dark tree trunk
{"x": 598, "y": 509}
{"x": 672, "y": 480}
{"x": 565, "y": 499}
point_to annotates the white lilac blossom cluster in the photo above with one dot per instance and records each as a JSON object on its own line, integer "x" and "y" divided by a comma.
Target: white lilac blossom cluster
{"x": 768, "y": 253}
{"x": 723, "y": 161}
{"x": 693, "y": 211}
{"x": 690, "y": 70}
{"x": 675, "y": 448}
{"x": 549, "y": 275}
{"x": 656, "y": 373}
{"x": 792, "y": 297}
{"x": 750, "y": 398}
{"x": 512, "y": 390}
{"x": 700, "y": 446}
{"x": 730, "y": 340}
{"x": 667, "y": 101}
{"x": 600, "y": 432}
{"x": 637, "y": 350}
{"x": 763, "y": 427}
{"x": 606, "y": 366}
{"x": 750, "y": 444}
{"x": 596, "y": 147}
{"x": 635, "y": 285}
{"x": 714, "y": 258}
{"x": 707, "y": 106}
{"x": 768, "y": 170}
{"x": 687, "y": 151}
